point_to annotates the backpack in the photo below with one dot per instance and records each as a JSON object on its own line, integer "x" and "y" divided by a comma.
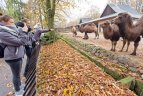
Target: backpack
{"x": 2, "y": 47}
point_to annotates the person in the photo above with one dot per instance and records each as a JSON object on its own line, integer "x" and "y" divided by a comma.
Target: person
{"x": 33, "y": 37}
{"x": 36, "y": 35}
{"x": 38, "y": 31}
{"x": 14, "y": 50}
{"x": 28, "y": 46}
{"x": 27, "y": 21}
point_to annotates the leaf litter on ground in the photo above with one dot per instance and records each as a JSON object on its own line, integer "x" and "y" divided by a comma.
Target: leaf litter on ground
{"x": 62, "y": 71}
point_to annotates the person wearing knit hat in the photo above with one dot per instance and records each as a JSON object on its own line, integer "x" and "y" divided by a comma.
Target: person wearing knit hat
{"x": 35, "y": 37}
{"x": 37, "y": 26}
{"x": 20, "y": 24}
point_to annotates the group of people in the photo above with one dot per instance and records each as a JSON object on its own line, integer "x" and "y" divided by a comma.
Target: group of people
{"x": 18, "y": 39}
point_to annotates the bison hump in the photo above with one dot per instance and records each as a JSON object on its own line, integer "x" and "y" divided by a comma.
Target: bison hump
{"x": 115, "y": 28}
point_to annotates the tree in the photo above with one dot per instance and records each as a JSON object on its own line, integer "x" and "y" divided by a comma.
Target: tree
{"x": 113, "y": 1}
{"x": 139, "y": 5}
{"x": 136, "y": 4}
{"x": 50, "y": 6}
{"x": 93, "y": 12}
{"x": 14, "y": 8}
{"x": 48, "y": 13}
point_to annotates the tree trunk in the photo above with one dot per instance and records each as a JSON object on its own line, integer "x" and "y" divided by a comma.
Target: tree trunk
{"x": 40, "y": 15}
{"x": 50, "y": 12}
{"x": 50, "y": 6}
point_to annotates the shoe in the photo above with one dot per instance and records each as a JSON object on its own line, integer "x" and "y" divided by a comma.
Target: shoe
{"x": 22, "y": 86}
{"x": 19, "y": 93}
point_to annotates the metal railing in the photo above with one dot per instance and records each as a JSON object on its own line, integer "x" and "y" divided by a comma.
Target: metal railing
{"x": 30, "y": 83}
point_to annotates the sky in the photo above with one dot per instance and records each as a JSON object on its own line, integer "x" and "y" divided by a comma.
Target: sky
{"x": 99, "y": 3}
{"x": 84, "y": 5}
{"x": 25, "y": 1}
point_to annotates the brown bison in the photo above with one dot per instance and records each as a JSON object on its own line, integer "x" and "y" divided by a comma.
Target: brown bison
{"x": 88, "y": 28}
{"x": 73, "y": 30}
{"x": 111, "y": 31}
{"x": 140, "y": 24}
{"x": 122, "y": 34}
{"x": 130, "y": 31}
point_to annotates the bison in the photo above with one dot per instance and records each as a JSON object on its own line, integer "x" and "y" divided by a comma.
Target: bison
{"x": 88, "y": 28}
{"x": 128, "y": 29}
{"x": 111, "y": 31}
{"x": 73, "y": 30}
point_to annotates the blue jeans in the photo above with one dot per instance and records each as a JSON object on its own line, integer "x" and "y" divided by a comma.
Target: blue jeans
{"x": 15, "y": 66}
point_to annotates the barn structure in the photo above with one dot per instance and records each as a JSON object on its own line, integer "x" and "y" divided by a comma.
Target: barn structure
{"x": 112, "y": 10}
{"x": 83, "y": 20}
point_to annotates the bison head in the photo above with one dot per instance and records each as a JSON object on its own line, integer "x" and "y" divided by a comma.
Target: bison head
{"x": 122, "y": 18}
{"x": 105, "y": 24}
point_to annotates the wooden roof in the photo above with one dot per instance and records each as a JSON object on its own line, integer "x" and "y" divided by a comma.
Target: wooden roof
{"x": 112, "y": 10}
{"x": 120, "y": 8}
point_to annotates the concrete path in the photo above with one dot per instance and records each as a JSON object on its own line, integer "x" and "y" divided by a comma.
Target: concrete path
{"x": 6, "y": 85}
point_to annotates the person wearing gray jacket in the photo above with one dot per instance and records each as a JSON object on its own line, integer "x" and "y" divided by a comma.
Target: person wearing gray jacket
{"x": 32, "y": 38}
{"x": 14, "y": 50}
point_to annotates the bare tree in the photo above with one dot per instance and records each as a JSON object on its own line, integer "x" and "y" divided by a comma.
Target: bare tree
{"x": 139, "y": 5}
{"x": 136, "y": 4}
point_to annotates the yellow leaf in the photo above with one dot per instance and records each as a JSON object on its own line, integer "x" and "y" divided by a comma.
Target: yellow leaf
{"x": 9, "y": 85}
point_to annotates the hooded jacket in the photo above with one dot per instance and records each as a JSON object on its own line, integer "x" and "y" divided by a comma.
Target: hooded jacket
{"x": 14, "y": 42}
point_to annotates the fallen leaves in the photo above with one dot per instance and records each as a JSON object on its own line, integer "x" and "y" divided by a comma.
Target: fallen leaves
{"x": 9, "y": 85}
{"x": 62, "y": 71}
{"x": 10, "y": 94}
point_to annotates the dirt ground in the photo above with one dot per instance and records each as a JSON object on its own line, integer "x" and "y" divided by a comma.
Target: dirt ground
{"x": 106, "y": 44}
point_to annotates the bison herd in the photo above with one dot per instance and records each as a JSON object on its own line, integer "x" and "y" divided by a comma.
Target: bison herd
{"x": 121, "y": 26}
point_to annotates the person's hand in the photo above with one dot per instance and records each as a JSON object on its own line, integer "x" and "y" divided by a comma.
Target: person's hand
{"x": 37, "y": 43}
{"x": 51, "y": 29}
{"x": 25, "y": 28}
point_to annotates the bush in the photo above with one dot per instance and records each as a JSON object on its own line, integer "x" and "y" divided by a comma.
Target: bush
{"x": 49, "y": 37}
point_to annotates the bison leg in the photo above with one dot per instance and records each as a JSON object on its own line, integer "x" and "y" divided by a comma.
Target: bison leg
{"x": 85, "y": 36}
{"x": 75, "y": 33}
{"x": 135, "y": 48}
{"x": 128, "y": 43}
{"x": 96, "y": 35}
{"x": 124, "y": 43}
{"x": 114, "y": 44}
{"x": 136, "y": 43}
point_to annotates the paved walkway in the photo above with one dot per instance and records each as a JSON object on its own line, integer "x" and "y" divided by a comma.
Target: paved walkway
{"x": 6, "y": 85}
